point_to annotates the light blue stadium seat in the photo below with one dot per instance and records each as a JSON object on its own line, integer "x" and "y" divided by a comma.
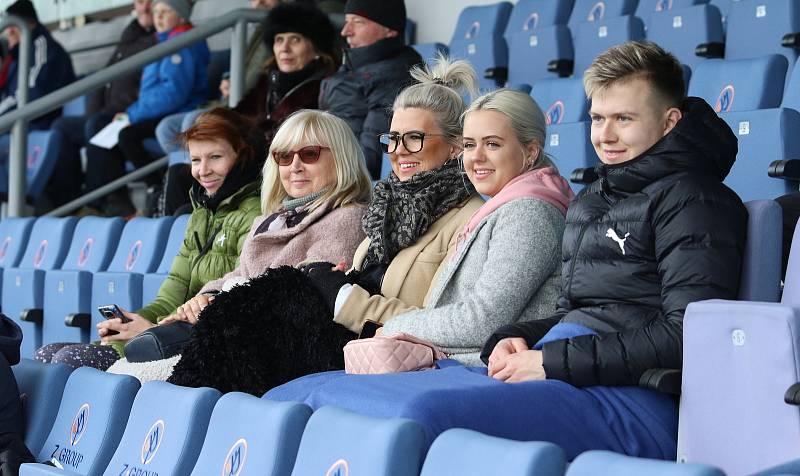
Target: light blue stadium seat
{"x": 91, "y": 418}
{"x": 530, "y": 53}
{"x": 529, "y": 15}
{"x": 248, "y": 435}
{"x": 470, "y": 453}
{"x": 76, "y": 107}
{"x": 14, "y": 233}
{"x": 607, "y": 463}
{"x": 594, "y": 10}
{"x": 42, "y": 154}
{"x": 140, "y": 249}
{"x": 756, "y": 28}
{"x": 593, "y": 38}
{"x": 68, "y": 291}
{"x": 165, "y": 431}
{"x": 42, "y": 386}
{"x": 740, "y": 85}
{"x": 478, "y": 38}
{"x": 680, "y": 31}
{"x": 339, "y": 442}
{"x": 23, "y": 286}
{"x": 761, "y": 271}
{"x": 151, "y": 282}
{"x": 566, "y": 109}
{"x": 645, "y": 8}
{"x": 428, "y": 52}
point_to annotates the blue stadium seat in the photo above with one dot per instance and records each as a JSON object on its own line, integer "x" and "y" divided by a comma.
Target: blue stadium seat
{"x": 76, "y": 107}
{"x": 566, "y": 109}
{"x": 91, "y": 418}
{"x": 14, "y": 233}
{"x": 469, "y": 453}
{"x": 791, "y": 97}
{"x": 428, "y": 52}
{"x": 140, "y": 249}
{"x": 42, "y": 154}
{"x": 239, "y": 442}
{"x": 42, "y": 386}
{"x": 593, "y": 38}
{"x": 531, "y": 52}
{"x": 23, "y": 286}
{"x": 165, "y": 431}
{"x": 756, "y": 28}
{"x": 151, "y": 282}
{"x": 607, "y": 463}
{"x": 530, "y": 15}
{"x": 68, "y": 291}
{"x": 740, "y": 85}
{"x": 595, "y": 10}
{"x": 645, "y": 8}
{"x": 478, "y": 38}
{"x": 375, "y": 446}
{"x": 679, "y": 31}
{"x": 761, "y": 271}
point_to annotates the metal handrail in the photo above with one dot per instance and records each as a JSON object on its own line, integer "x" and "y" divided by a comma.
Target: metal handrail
{"x": 18, "y": 118}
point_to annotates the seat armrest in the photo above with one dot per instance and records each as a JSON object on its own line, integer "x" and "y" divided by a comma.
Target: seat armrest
{"x": 662, "y": 380}
{"x": 710, "y": 50}
{"x": 583, "y": 175}
{"x": 81, "y": 320}
{"x": 563, "y": 67}
{"x": 785, "y": 169}
{"x": 499, "y": 74}
{"x": 791, "y": 40}
{"x": 35, "y": 316}
{"x": 792, "y": 395}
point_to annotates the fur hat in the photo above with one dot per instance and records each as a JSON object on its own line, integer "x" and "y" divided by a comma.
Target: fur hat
{"x": 23, "y": 9}
{"x": 181, "y": 7}
{"x": 389, "y": 13}
{"x": 303, "y": 18}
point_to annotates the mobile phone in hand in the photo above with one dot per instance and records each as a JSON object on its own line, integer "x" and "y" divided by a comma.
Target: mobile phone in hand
{"x": 112, "y": 311}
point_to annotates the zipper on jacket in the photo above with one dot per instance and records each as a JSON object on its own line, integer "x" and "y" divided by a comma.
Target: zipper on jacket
{"x": 574, "y": 256}
{"x": 202, "y": 250}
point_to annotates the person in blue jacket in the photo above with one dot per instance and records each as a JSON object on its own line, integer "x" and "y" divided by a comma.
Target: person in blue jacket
{"x": 176, "y": 83}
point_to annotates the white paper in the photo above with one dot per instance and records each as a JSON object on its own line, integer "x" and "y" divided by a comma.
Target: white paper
{"x": 108, "y": 136}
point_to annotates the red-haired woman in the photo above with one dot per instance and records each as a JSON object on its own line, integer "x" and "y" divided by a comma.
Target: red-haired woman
{"x": 225, "y": 200}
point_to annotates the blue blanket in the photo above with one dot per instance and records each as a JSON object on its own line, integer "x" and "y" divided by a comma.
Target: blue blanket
{"x": 627, "y": 420}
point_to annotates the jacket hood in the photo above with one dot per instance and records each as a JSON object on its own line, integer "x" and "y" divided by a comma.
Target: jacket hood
{"x": 700, "y": 142}
{"x": 10, "y": 339}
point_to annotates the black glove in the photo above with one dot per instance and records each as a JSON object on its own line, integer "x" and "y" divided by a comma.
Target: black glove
{"x": 328, "y": 282}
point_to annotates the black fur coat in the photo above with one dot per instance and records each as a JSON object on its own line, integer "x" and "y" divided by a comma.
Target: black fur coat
{"x": 262, "y": 334}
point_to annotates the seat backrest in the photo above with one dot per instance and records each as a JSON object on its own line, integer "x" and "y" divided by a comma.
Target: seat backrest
{"x": 239, "y": 441}
{"x": 176, "y": 235}
{"x": 43, "y": 385}
{"x": 141, "y": 245}
{"x": 14, "y": 234}
{"x": 740, "y": 85}
{"x": 43, "y": 148}
{"x": 592, "y": 463}
{"x": 755, "y": 28}
{"x": 165, "y": 430}
{"x": 594, "y": 10}
{"x": 562, "y": 100}
{"x": 530, "y": 52}
{"x": 593, "y": 38}
{"x": 93, "y": 243}
{"x": 339, "y": 440}
{"x": 48, "y": 243}
{"x": 528, "y": 15}
{"x": 91, "y": 418}
{"x": 761, "y": 269}
{"x": 483, "y": 21}
{"x": 467, "y": 452}
{"x": 645, "y": 8}
{"x": 679, "y": 31}
{"x": 791, "y": 96}
{"x": 204, "y": 10}
{"x": 76, "y": 107}
{"x": 791, "y": 282}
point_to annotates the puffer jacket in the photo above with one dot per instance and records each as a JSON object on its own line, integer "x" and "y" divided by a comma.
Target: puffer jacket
{"x": 364, "y": 88}
{"x": 641, "y": 243}
{"x": 176, "y": 83}
{"x": 210, "y": 249}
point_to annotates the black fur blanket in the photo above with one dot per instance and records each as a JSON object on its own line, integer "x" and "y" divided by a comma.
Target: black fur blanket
{"x": 262, "y": 334}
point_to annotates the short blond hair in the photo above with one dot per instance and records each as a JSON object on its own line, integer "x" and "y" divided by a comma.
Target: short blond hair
{"x": 310, "y": 127}
{"x": 638, "y": 59}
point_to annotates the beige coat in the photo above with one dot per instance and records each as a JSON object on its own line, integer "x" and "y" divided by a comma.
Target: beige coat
{"x": 409, "y": 276}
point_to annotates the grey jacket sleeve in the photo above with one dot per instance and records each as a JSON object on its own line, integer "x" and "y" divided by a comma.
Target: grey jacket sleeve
{"x": 516, "y": 251}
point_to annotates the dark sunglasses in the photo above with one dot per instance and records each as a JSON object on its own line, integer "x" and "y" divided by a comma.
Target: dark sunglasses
{"x": 308, "y": 155}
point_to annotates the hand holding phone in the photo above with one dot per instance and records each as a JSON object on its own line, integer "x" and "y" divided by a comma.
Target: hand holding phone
{"x": 112, "y": 311}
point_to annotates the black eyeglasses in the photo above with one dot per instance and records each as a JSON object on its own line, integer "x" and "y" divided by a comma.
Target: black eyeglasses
{"x": 308, "y": 155}
{"x": 413, "y": 141}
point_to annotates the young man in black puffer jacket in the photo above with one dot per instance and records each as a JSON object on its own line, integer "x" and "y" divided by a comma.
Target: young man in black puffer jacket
{"x": 657, "y": 231}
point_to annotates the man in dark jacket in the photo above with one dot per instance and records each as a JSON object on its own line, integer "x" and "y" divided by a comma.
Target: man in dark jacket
{"x": 374, "y": 69}
{"x": 12, "y": 447}
{"x": 102, "y": 104}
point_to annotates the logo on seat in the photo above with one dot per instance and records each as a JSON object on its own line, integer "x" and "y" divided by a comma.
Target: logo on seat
{"x": 79, "y": 423}
{"x": 83, "y": 256}
{"x": 39, "y": 256}
{"x": 473, "y": 30}
{"x": 596, "y": 12}
{"x": 725, "y": 99}
{"x": 33, "y": 157}
{"x": 339, "y": 468}
{"x": 133, "y": 255}
{"x": 4, "y": 248}
{"x": 611, "y": 233}
{"x": 663, "y": 5}
{"x": 555, "y": 113}
{"x": 152, "y": 441}
{"x": 531, "y": 22}
{"x": 234, "y": 462}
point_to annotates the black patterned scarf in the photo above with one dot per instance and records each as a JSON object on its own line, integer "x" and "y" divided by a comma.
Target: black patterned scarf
{"x": 400, "y": 212}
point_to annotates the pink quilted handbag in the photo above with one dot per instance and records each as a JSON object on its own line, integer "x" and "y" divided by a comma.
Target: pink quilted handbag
{"x": 385, "y": 354}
